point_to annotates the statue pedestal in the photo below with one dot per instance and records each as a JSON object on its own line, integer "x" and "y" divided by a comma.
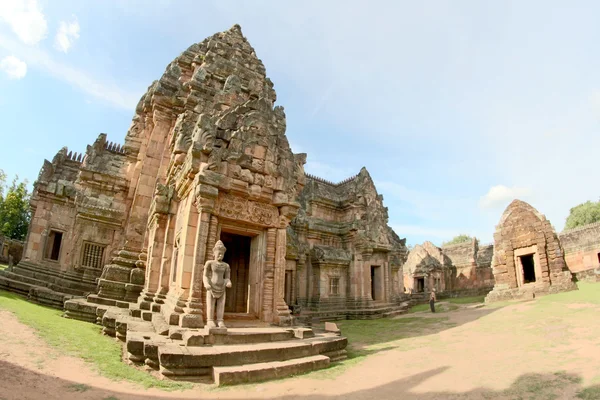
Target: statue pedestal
{"x": 216, "y": 331}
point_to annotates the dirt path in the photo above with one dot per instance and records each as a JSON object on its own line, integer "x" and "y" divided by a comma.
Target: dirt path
{"x": 501, "y": 355}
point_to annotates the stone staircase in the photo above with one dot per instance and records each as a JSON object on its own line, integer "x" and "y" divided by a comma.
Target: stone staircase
{"x": 232, "y": 356}
{"x": 44, "y": 286}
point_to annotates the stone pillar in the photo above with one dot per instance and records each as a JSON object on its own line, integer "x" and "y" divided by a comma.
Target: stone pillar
{"x": 157, "y": 238}
{"x": 166, "y": 254}
{"x": 301, "y": 281}
{"x": 207, "y": 227}
{"x": 268, "y": 305}
{"x": 280, "y": 308}
{"x": 193, "y": 317}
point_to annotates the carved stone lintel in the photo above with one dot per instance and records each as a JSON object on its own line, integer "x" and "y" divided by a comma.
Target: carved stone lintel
{"x": 238, "y": 208}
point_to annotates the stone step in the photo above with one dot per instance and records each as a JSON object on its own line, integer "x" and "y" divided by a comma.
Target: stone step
{"x": 72, "y": 280}
{"x": 160, "y": 325}
{"x": 236, "y": 336}
{"x": 35, "y": 293}
{"x": 270, "y": 370}
{"x": 14, "y": 286}
{"x": 94, "y": 298}
{"x": 51, "y": 281}
{"x": 83, "y": 310}
{"x": 175, "y": 356}
{"x": 181, "y": 361}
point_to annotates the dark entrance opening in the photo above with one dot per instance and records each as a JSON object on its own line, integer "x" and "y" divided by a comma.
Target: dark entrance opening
{"x": 376, "y": 292}
{"x": 238, "y": 258}
{"x": 419, "y": 285}
{"x": 528, "y": 268}
{"x": 53, "y": 245}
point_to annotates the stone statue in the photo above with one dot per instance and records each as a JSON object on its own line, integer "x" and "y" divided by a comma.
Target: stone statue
{"x": 216, "y": 280}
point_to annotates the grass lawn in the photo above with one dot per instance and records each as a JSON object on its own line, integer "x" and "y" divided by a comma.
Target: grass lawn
{"x": 465, "y": 300}
{"x": 83, "y": 340}
{"x": 450, "y": 304}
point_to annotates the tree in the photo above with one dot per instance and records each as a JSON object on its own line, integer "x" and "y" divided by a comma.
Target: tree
{"x": 583, "y": 214}
{"x": 14, "y": 208}
{"x": 462, "y": 238}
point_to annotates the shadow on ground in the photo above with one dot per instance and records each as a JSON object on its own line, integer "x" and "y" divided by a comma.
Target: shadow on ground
{"x": 20, "y": 383}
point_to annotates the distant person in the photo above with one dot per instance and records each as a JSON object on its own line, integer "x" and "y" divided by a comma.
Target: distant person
{"x": 432, "y": 300}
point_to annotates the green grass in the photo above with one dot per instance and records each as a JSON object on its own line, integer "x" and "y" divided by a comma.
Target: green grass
{"x": 79, "y": 387}
{"x": 385, "y": 330}
{"x": 466, "y": 300}
{"x": 3, "y": 266}
{"x": 439, "y": 308}
{"x": 591, "y": 393}
{"x": 83, "y": 340}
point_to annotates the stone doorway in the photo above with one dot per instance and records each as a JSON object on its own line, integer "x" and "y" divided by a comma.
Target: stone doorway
{"x": 376, "y": 281}
{"x": 419, "y": 285}
{"x": 528, "y": 265}
{"x": 238, "y": 258}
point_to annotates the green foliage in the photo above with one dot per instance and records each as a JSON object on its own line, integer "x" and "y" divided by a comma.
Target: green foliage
{"x": 14, "y": 208}
{"x": 583, "y": 214}
{"x": 462, "y": 238}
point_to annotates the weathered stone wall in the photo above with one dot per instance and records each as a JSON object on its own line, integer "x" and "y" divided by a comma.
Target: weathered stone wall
{"x": 454, "y": 269}
{"x": 582, "y": 250}
{"x": 471, "y": 266}
{"x": 10, "y": 248}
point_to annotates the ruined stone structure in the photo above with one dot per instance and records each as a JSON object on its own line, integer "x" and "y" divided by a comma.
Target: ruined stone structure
{"x": 78, "y": 206}
{"x": 462, "y": 269}
{"x": 581, "y": 246}
{"x": 205, "y": 159}
{"x": 528, "y": 258}
{"x": 11, "y": 250}
{"x": 343, "y": 260}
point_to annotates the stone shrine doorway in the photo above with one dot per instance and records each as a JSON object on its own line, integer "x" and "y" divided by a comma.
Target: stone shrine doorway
{"x": 419, "y": 285}
{"x": 528, "y": 266}
{"x": 238, "y": 258}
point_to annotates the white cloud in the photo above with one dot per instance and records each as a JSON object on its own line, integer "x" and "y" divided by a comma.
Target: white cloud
{"x": 13, "y": 67}
{"x": 501, "y": 195}
{"x": 25, "y": 18}
{"x": 106, "y": 91}
{"x": 68, "y": 33}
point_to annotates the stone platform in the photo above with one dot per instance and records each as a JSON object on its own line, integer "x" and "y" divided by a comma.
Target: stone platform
{"x": 372, "y": 311}
{"x": 223, "y": 356}
{"x": 44, "y": 286}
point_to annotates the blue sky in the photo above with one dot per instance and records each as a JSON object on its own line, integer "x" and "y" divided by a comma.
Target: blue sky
{"x": 454, "y": 107}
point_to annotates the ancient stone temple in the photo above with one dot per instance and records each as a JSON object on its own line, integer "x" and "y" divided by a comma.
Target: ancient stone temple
{"x": 343, "y": 260}
{"x": 121, "y": 234}
{"x": 528, "y": 258}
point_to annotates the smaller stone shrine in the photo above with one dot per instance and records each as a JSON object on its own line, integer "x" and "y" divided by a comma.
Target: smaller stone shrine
{"x": 528, "y": 259}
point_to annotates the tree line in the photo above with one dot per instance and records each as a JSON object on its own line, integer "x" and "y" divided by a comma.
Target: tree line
{"x": 14, "y": 208}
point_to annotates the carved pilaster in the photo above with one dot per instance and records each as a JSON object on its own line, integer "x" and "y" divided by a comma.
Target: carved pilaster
{"x": 268, "y": 283}
{"x": 193, "y": 317}
{"x": 281, "y": 309}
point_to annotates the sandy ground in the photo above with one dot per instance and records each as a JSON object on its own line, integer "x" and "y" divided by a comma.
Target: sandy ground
{"x": 484, "y": 356}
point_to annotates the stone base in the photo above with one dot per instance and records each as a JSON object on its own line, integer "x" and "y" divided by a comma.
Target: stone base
{"x": 225, "y": 356}
{"x": 561, "y": 283}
